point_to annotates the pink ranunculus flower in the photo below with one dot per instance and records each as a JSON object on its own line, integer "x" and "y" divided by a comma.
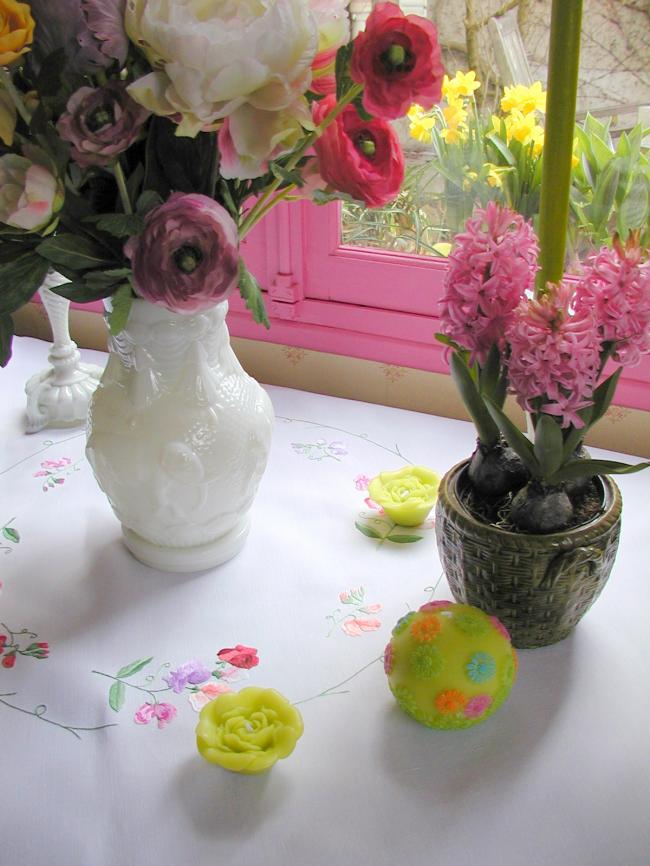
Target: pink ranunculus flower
{"x": 397, "y": 59}
{"x": 555, "y": 354}
{"x": 491, "y": 269}
{"x": 360, "y": 157}
{"x": 144, "y": 714}
{"x": 101, "y": 123}
{"x": 356, "y": 627}
{"x": 616, "y": 285}
{"x": 207, "y": 693}
{"x": 239, "y": 656}
{"x": 165, "y": 713}
{"x": 30, "y": 193}
{"x": 186, "y": 257}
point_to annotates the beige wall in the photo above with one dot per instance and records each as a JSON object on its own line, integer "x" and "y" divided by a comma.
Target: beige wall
{"x": 625, "y": 430}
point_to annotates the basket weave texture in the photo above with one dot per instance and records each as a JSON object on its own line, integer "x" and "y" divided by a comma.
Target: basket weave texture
{"x": 539, "y": 586}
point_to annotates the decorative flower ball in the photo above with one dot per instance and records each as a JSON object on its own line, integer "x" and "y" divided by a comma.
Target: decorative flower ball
{"x": 407, "y": 495}
{"x": 450, "y": 665}
{"x": 249, "y": 730}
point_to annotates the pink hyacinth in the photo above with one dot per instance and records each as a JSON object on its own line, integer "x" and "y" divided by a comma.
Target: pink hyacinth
{"x": 555, "y": 355}
{"x": 616, "y": 285}
{"x": 491, "y": 268}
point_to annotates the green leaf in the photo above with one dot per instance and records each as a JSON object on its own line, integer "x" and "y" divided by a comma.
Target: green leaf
{"x": 549, "y": 444}
{"x": 367, "y": 530}
{"x": 487, "y": 429}
{"x": 287, "y": 177}
{"x": 120, "y": 308}
{"x": 148, "y": 201}
{"x": 133, "y": 668}
{"x": 604, "y": 195}
{"x": 633, "y": 212}
{"x": 116, "y": 695}
{"x": 118, "y": 224}
{"x": 6, "y": 338}
{"x": 501, "y": 148}
{"x": 252, "y": 295}
{"x": 603, "y": 396}
{"x": 447, "y": 341}
{"x": 403, "y": 539}
{"x": 341, "y": 69}
{"x": 74, "y": 252}
{"x": 110, "y": 277}
{"x": 489, "y": 373}
{"x": 20, "y": 279}
{"x": 515, "y": 438}
{"x": 79, "y": 292}
{"x": 11, "y": 534}
{"x": 587, "y": 468}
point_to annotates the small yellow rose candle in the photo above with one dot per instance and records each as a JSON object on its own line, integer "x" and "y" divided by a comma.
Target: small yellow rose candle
{"x": 407, "y": 495}
{"x": 249, "y": 730}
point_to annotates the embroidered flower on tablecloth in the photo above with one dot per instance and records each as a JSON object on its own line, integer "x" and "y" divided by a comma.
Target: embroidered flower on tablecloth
{"x": 53, "y": 471}
{"x": 163, "y": 712}
{"x": 239, "y": 656}
{"x": 207, "y": 693}
{"x": 350, "y": 621}
{"x": 192, "y": 672}
{"x": 11, "y": 646}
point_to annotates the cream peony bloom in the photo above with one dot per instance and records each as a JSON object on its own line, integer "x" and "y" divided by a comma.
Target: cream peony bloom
{"x": 211, "y": 59}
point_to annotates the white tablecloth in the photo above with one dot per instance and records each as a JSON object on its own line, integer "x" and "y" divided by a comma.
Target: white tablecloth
{"x": 559, "y": 775}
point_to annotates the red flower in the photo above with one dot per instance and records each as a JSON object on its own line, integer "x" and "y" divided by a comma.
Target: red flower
{"x": 397, "y": 59}
{"x": 359, "y": 157}
{"x": 240, "y": 656}
{"x": 9, "y": 660}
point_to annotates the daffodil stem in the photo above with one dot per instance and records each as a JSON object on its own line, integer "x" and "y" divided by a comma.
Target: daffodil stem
{"x": 259, "y": 209}
{"x": 121, "y": 185}
{"x": 15, "y": 95}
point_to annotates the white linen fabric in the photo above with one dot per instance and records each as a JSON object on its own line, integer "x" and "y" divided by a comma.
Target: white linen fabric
{"x": 557, "y": 777}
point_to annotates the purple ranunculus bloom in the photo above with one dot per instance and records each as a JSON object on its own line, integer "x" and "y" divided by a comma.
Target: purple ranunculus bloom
{"x": 186, "y": 257}
{"x": 91, "y": 32}
{"x": 101, "y": 123}
{"x": 192, "y": 672}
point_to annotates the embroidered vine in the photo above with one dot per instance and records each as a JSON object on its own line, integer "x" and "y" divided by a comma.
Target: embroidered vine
{"x": 357, "y": 617}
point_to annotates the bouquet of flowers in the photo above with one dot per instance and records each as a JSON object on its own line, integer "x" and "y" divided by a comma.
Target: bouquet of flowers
{"x": 549, "y": 349}
{"x": 142, "y": 140}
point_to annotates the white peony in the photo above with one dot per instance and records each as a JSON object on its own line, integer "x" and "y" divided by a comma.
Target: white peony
{"x": 212, "y": 57}
{"x": 30, "y": 194}
{"x": 332, "y": 22}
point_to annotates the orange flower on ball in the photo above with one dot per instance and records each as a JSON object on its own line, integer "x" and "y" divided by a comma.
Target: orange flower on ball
{"x": 16, "y": 30}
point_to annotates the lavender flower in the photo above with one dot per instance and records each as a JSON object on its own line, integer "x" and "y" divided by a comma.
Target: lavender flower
{"x": 101, "y": 123}
{"x": 192, "y": 672}
{"x": 186, "y": 258}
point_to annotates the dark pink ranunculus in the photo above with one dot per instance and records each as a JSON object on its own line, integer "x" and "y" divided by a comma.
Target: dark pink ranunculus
{"x": 360, "y": 157}
{"x": 186, "y": 257}
{"x": 239, "y": 656}
{"x": 397, "y": 59}
{"x": 101, "y": 123}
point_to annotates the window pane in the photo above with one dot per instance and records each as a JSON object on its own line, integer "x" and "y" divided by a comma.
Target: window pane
{"x": 485, "y": 142}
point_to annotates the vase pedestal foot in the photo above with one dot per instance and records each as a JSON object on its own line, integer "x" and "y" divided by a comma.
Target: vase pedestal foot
{"x": 188, "y": 559}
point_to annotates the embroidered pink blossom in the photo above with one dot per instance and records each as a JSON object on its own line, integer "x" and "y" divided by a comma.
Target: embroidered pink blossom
{"x": 206, "y": 694}
{"x": 616, "y": 286}
{"x": 491, "y": 269}
{"x": 356, "y": 627}
{"x": 370, "y": 503}
{"x": 555, "y": 355}
{"x": 477, "y": 705}
{"x": 240, "y": 656}
{"x": 388, "y": 659}
{"x": 144, "y": 714}
{"x": 371, "y": 608}
{"x": 352, "y": 596}
{"x": 165, "y": 713}
{"x": 56, "y": 464}
{"x": 361, "y": 482}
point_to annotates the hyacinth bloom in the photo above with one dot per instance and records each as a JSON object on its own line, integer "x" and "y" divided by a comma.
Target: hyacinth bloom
{"x": 491, "y": 269}
{"x": 555, "y": 355}
{"x": 616, "y": 286}
{"x": 186, "y": 258}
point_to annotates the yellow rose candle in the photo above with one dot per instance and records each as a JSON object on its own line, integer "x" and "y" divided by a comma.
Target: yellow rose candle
{"x": 248, "y": 731}
{"x": 407, "y": 495}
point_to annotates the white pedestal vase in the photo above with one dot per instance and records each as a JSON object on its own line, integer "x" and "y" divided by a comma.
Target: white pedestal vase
{"x": 59, "y": 396}
{"x": 178, "y": 437}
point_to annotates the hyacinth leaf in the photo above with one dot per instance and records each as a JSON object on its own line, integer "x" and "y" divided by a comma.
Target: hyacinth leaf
{"x": 6, "y": 338}
{"x": 120, "y": 308}
{"x": 252, "y": 295}
{"x": 367, "y": 530}
{"x": 447, "y": 341}
{"x": 548, "y": 444}
{"x": 133, "y": 668}
{"x": 586, "y": 468}
{"x": 577, "y": 434}
{"x": 116, "y": 696}
{"x": 604, "y": 394}
{"x": 515, "y": 439}
{"x": 486, "y": 428}
{"x": 489, "y": 373}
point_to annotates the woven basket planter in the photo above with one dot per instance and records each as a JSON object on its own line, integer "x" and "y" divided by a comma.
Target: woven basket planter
{"x": 539, "y": 586}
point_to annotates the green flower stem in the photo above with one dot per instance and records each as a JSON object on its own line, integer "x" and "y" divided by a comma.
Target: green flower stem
{"x": 121, "y": 185}
{"x": 151, "y": 692}
{"x": 15, "y": 96}
{"x": 563, "y": 62}
{"x": 39, "y": 713}
{"x": 331, "y": 691}
{"x": 259, "y": 209}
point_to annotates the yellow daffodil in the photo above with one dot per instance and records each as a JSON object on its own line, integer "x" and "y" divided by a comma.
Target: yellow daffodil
{"x": 454, "y": 114}
{"x": 494, "y": 176}
{"x": 523, "y": 127}
{"x": 454, "y": 134}
{"x": 420, "y": 129}
{"x": 463, "y": 84}
{"x": 524, "y": 99}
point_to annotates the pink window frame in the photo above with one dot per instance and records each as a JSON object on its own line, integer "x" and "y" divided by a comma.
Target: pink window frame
{"x": 361, "y": 303}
